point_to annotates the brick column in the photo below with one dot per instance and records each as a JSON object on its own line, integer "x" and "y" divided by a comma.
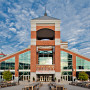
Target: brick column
{"x": 33, "y": 62}
{"x": 57, "y": 58}
{"x": 74, "y": 66}
{"x": 57, "y": 62}
{"x": 16, "y": 67}
{"x": 33, "y": 58}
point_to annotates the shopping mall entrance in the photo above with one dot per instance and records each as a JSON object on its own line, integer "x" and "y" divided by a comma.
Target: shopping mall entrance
{"x": 45, "y": 77}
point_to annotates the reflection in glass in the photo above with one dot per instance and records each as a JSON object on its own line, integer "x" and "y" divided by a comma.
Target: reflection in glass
{"x": 82, "y": 64}
{"x": 66, "y": 60}
{"x": 24, "y": 60}
{"x": 8, "y": 64}
{"x": 45, "y": 58}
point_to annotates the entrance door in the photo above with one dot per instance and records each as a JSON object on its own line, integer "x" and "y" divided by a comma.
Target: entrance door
{"x": 45, "y": 78}
{"x": 66, "y": 78}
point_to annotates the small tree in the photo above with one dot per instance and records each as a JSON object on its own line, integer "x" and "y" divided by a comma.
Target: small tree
{"x": 83, "y": 76}
{"x": 33, "y": 79}
{"x": 7, "y": 75}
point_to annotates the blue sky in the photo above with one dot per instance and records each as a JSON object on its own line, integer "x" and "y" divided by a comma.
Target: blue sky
{"x": 15, "y": 16}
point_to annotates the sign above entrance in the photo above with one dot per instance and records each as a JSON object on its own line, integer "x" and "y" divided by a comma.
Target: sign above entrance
{"x": 45, "y": 72}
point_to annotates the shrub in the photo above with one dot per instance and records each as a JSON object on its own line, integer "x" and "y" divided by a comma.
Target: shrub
{"x": 83, "y": 76}
{"x": 7, "y": 75}
{"x": 55, "y": 78}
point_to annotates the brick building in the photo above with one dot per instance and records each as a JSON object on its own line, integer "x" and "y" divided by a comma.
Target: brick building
{"x": 47, "y": 57}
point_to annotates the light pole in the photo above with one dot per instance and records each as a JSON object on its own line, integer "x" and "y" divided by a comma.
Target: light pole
{"x": 72, "y": 73}
{"x": 0, "y": 71}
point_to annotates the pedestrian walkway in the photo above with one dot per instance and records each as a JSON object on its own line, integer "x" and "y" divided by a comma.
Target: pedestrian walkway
{"x": 44, "y": 87}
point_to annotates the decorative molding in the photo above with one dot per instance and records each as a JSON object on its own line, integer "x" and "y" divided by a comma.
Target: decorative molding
{"x": 45, "y": 21}
{"x": 57, "y": 41}
{"x": 33, "y": 41}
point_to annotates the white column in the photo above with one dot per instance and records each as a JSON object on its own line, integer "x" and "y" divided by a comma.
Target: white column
{"x": 74, "y": 78}
{"x": 57, "y": 75}
{"x": 44, "y": 78}
{"x": 33, "y": 74}
{"x": 16, "y": 79}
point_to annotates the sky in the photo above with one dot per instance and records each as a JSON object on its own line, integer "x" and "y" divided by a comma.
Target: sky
{"x": 15, "y": 16}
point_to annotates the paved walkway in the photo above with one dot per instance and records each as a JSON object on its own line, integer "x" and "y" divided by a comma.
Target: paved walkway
{"x": 44, "y": 87}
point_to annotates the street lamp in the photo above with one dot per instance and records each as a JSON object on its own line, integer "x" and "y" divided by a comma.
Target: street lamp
{"x": 0, "y": 72}
{"x": 72, "y": 73}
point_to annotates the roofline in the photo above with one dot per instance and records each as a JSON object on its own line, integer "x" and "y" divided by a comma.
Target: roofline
{"x": 75, "y": 53}
{"x": 44, "y": 19}
{"x": 13, "y": 53}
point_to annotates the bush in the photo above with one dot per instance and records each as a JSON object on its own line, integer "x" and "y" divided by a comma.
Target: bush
{"x": 55, "y": 78}
{"x": 83, "y": 76}
{"x": 7, "y": 75}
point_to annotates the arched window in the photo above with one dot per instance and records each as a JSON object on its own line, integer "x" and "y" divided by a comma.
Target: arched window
{"x": 45, "y": 34}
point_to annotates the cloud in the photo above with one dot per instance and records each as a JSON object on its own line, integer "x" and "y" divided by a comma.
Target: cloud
{"x": 33, "y": 13}
{"x": 75, "y": 22}
{"x": 12, "y": 29}
{"x": 3, "y": 14}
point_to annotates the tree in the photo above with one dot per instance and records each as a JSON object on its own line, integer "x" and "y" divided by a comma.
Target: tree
{"x": 7, "y": 75}
{"x": 83, "y": 76}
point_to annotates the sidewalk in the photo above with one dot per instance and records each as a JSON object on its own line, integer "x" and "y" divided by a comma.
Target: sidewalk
{"x": 44, "y": 87}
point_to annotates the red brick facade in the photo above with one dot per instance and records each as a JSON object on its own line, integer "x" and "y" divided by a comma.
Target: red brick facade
{"x": 34, "y": 54}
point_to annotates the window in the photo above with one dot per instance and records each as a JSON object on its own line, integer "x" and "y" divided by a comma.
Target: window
{"x": 66, "y": 60}
{"x": 45, "y": 58}
{"x": 8, "y": 64}
{"x": 82, "y": 64}
{"x": 24, "y": 60}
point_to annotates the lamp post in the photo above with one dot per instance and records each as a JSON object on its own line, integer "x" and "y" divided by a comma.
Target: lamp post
{"x": 0, "y": 72}
{"x": 72, "y": 73}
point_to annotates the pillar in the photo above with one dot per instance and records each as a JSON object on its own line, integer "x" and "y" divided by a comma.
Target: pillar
{"x": 74, "y": 66}
{"x": 16, "y": 68}
{"x": 57, "y": 62}
{"x": 33, "y": 62}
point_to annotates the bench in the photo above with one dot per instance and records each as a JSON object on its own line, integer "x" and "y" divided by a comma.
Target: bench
{"x": 56, "y": 86}
{"x": 4, "y": 84}
{"x": 33, "y": 86}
